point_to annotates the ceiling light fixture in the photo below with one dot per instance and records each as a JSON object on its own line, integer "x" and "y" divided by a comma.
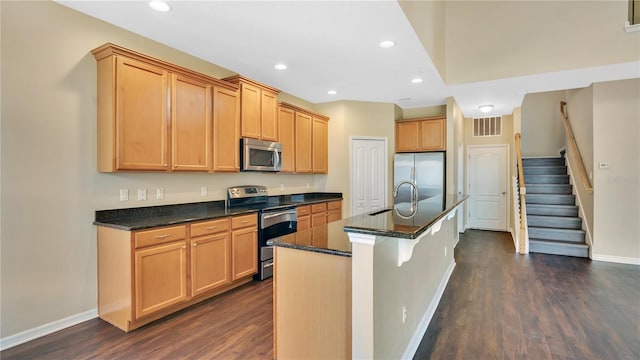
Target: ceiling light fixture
{"x": 332, "y": 92}
{"x": 387, "y": 44}
{"x": 280, "y": 67}
{"x": 159, "y": 5}
{"x": 485, "y": 108}
{"x": 416, "y": 80}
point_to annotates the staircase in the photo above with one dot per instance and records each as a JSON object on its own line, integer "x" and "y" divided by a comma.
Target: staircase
{"x": 552, "y": 216}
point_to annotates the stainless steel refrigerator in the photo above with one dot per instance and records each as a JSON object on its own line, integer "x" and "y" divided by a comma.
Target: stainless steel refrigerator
{"x": 418, "y": 182}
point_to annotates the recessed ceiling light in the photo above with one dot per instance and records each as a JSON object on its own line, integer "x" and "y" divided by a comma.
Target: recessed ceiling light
{"x": 332, "y": 92}
{"x": 387, "y": 44}
{"x": 159, "y": 5}
{"x": 281, "y": 67}
{"x": 416, "y": 80}
{"x": 485, "y": 108}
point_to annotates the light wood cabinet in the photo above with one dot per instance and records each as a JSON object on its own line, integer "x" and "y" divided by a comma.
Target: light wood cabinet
{"x": 210, "y": 260}
{"x": 334, "y": 211}
{"x": 226, "y": 130}
{"x": 323, "y": 213}
{"x": 191, "y": 124}
{"x": 244, "y": 246}
{"x": 304, "y": 138}
{"x": 304, "y": 217}
{"x": 258, "y": 109}
{"x": 287, "y": 136}
{"x": 147, "y": 274}
{"x": 425, "y": 134}
{"x": 318, "y": 214}
{"x": 320, "y": 146}
{"x": 153, "y": 115}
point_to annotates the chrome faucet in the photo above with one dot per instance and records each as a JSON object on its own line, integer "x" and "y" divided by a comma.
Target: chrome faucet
{"x": 414, "y": 198}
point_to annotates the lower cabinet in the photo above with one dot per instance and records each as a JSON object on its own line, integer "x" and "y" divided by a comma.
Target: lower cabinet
{"x": 145, "y": 275}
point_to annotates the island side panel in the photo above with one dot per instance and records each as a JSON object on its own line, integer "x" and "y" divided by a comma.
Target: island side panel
{"x": 312, "y": 305}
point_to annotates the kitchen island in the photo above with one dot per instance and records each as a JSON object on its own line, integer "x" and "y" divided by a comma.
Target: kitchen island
{"x": 364, "y": 287}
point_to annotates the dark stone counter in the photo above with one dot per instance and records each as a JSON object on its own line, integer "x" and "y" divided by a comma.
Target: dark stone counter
{"x": 327, "y": 239}
{"x": 163, "y": 215}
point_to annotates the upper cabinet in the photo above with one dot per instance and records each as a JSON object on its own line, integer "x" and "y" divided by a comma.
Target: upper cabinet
{"x": 305, "y": 138}
{"x": 258, "y": 109}
{"x": 424, "y": 134}
{"x": 156, "y": 116}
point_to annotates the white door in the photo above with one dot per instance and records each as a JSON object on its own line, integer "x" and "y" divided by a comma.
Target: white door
{"x": 369, "y": 175}
{"x": 488, "y": 187}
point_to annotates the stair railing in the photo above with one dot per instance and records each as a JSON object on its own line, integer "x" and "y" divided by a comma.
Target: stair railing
{"x": 523, "y": 242}
{"x": 574, "y": 149}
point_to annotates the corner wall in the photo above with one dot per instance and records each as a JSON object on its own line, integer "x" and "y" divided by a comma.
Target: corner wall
{"x": 542, "y": 129}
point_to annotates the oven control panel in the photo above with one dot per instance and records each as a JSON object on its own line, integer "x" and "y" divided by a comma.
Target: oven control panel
{"x": 245, "y": 191}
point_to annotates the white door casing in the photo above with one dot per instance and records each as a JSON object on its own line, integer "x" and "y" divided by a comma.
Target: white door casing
{"x": 369, "y": 174}
{"x": 487, "y": 186}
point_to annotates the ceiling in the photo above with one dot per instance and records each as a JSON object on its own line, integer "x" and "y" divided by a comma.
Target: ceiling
{"x": 328, "y": 45}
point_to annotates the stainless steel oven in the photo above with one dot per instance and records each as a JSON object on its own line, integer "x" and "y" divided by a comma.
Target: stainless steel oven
{"x": 273, "y": 221}
{"x": 257, "y": 155}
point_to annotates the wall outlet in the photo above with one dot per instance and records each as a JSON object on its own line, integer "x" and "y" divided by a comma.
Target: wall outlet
{"x": 281, "y": 186}
{"x": 308, "y": 186}
{"x": 159, "y": 193}
{"x": 203, "y": 191}
{"x": 404, "y": 313}
{"x": 445, "y": 251}
{"x": 124, "y": 194}
{"x": 142, "y": 194}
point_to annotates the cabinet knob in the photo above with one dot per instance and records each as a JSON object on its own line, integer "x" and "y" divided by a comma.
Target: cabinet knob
{"x": 194, "y": 244}
{"x": 165, "y": 165}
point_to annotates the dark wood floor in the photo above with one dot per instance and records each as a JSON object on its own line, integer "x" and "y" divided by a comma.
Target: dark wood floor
{"x": 500, "y": 305}
{"x": 497, "y": 305}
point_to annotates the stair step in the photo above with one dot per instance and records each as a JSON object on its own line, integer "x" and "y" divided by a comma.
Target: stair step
{"x": 556, "y": 234}
{"x": 550, "y": 199}
{"x": 552, "y": 210}
{"x": 558, "y": 248}
{"x": 549, "y": 189}
{"x": 546, "y": 179}
{"x": 558, "y": 222}
{"x": 549, "y": 161}
{"x": 544, "y": 170}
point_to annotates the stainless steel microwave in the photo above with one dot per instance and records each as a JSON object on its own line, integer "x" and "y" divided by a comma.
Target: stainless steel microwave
{"x": 257, "y": 155}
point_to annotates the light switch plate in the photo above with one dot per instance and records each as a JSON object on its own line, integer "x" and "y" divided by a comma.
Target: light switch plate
{"x": 159, "y": 193}
{"x": 142, "y": 194}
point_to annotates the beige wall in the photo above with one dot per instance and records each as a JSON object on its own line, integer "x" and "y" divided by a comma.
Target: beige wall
{"x": 616, "y": 110}
{"x": 542, "y": 129}
{"x": 532, "y": 37}
{"x": 428, "y": 20}
{"x": 354, "y": 118}
{"x": 50, "y": 186}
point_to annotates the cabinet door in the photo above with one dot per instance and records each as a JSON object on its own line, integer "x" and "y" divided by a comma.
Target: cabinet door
{"x": 303, "y": 143}
{"x": 304, "y": 222}
{"x": 318, "y": 219}
{"x": 191, "y": 124}
{"x": 432, "y": 135}
{"x": 250, "y": 113}
{"x": 209, "y": 263}
{"x": 160, "y": 277}
{"x": 244, "y": 252}
{"x": 269, "y": 116}
{"x": 408, "y": 136}
{"x": 141, "y": 116}
{"x": 226, "y": 130}
{"x": 286, "y": 136}
{"x": 320, "y": 143}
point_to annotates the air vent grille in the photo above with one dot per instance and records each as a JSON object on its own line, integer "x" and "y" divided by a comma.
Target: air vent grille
{"x": 489, "y": 126}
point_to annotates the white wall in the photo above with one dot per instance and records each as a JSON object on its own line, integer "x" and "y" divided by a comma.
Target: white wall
{"x": 616, "y": 114}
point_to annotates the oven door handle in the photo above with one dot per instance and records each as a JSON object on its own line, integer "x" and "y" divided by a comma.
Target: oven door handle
{"x": 272, "y": 215}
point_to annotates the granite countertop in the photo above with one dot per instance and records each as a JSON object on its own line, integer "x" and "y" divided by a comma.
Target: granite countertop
{"x": 154, "y": 216}
{"x": 400, "y": 221}
{"x": 327, "y": 239}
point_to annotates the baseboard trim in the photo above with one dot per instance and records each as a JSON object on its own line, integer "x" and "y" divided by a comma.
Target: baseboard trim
{"x": 46, "y": 329}
{"x": 616, "y": 259}
{"x": 412, "y": 347}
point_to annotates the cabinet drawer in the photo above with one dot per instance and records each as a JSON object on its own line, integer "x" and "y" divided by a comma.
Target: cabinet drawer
{"x": 238, "y": 222}
{"x": 333, "y": 205}
{"x": 159, "y": 236}
{"x": 316, "y": 208}
{"x": 304, "y": 210}
{"x": 210, "y": 227}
